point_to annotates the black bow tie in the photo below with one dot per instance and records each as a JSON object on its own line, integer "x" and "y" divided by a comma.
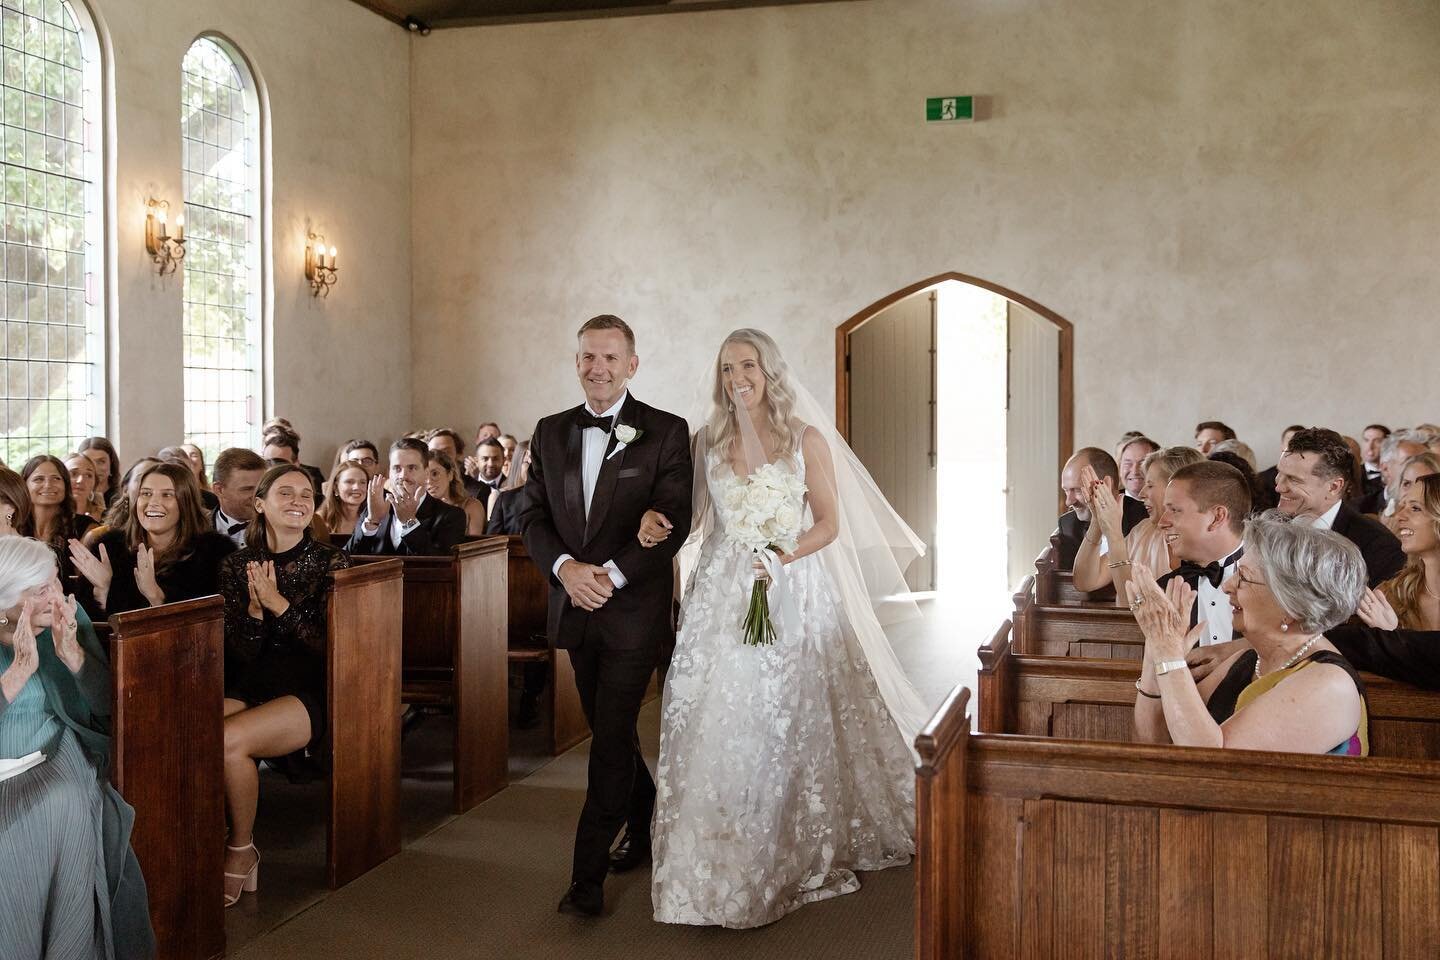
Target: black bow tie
{"x": 585, "y": 420}
{"x": 1191, "y": 572}
{"x": 235, "y": 528}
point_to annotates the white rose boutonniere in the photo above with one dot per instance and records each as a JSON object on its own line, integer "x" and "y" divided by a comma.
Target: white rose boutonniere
{"x": 626, "y": 435}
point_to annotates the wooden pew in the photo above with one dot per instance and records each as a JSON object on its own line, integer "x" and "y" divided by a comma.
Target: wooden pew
{"x": 455, "y": 654}
{"x": 365, "y": 622}
{"x": 1030, "y": 847}
{"x": 1104, "y": 632}
{"x": 168, "y": 762}
{"x": 1093, "y": 699}
{"x": 1056, "y": 587}
{"x": 529, "y": 593}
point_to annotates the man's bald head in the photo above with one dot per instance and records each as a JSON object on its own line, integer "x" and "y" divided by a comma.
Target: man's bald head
{"x": 1096, "y": 459}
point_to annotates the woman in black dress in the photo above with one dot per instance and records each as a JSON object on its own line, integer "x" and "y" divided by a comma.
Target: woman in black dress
{"x": 276, "y": 590}
{"x": 166, "y": 551}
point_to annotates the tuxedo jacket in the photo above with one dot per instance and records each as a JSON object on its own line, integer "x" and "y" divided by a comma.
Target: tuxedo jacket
{"x": 1410, "y": 656}
{"x": 480, "y": 490}
{"x": 1072, "y": 529}
{"x": 1373, "y": 501}
{"x": 1379, "y": 547}
{"x": 652, "y": 472}
{"x": 504, "y": 513}
{"x": 441, "y": 527}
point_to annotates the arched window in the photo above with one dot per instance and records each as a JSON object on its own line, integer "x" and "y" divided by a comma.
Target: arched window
{"x": 221, "y": 165}
{"x": 53, "y": 373}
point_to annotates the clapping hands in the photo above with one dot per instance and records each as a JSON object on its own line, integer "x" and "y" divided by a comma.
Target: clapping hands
{"x": 27, "y": 656}
{"x": 264, "y": 589}
{"x": 64, "y": 628}
{"x": 1106, "y": 508}
{"x": 1163, "y": 615}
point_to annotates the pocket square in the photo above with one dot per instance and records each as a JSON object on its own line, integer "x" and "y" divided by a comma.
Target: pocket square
{"x": 630, "y": 472}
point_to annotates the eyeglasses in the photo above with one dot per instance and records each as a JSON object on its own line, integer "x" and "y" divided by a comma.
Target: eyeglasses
{"x": 367, "y": 461}
{"x": 1240, "y": 575}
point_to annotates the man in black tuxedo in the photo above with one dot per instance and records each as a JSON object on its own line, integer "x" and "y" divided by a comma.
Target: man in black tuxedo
{"x": 594, "y": 471}
{"x": 1266, "y": 478}
{"x": 1074, "y": 522}
{"x": 407, "y": 522}
{"x": 1311, "y": 482}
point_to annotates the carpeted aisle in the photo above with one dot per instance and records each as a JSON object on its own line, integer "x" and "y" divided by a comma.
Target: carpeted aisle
{"x": 485, "y": 885}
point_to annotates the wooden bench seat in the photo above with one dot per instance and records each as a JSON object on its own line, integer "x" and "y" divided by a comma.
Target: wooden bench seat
{"x": 454, "y": 655}
{"x": 1034, "y": 847}
{"x": 529, "y": 592}
{"x": 168, "y": 758}
{"x": 1093, "y": 699}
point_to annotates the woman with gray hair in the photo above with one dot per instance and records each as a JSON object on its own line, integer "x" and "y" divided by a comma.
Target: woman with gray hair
{"x": 71, "y": 884}
{"x": 1293, "y": 583}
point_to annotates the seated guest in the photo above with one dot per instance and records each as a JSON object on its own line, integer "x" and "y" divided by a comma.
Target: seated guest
{"x": 345, "y": 498}
{"x": 72, "y": 886}
{"x": 15, "y": 506}
{"x": 1311, "y": 483}
{"x": 280, "y": 443}
{"x": 181, "y": 455}
{"x": 363, "y": 452}
{"x": 1411, "y": 599}
{"x": 449, "y": 441}
{"x": 413, "y": 523}
{"x": 1239, "y": 448}
{"x": 53, "y": 519}
{"x": 1210, "y": 432}
{"x": 505, "y": 509}
{"x": 486, "y": 470}
{"x": 1268, "y": 475}
{"x": 166, "y": 552}
{"x": 82, "y": 486}
{"x": 1206, "y": 506}
{"x": 117, "y": 515}
{"x": 197, "y": 460}
{"x": 237, "y": 474}
{"x": 442, "y": 481}
{"x": 1417, "y": 467}
{"x": 1105, "y": 556}
{"x": 107, "y": 466}
{"x": 1132, "y": 465}
{"x": 1395, "y": 451}
{"x": 509, "y": 442}
{"x": 1410, "y": 656}
{"x": 1076, "y": 521}
{"x": 276, "y": 589}
{"x": 1260, "y": 499}
{"x": 1289, "y": 689}
{"x": 1370, "y": 440}
{"x": 487, "y": 431}
{"x": 1124, "y": 441}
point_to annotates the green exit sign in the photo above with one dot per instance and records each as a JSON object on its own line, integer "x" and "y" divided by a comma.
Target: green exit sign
{"x": 949, "y": 109}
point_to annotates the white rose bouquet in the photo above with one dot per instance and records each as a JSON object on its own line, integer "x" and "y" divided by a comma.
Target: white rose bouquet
{"x": 765, "y": 514}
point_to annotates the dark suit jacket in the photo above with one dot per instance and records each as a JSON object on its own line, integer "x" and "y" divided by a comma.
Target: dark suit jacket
{"x": 1379, "y": 547}
{"x": 1372, "y": 502}
{"x": 1072, "y": 529}
{"x": 441, "y": 527}
{"x": 1411, "y": 656}
{"x": 654, "y": 471}
{"x": 505, "y": 513}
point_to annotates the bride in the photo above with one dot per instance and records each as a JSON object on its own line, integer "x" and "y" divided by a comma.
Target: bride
{"x": 783, "y": 767}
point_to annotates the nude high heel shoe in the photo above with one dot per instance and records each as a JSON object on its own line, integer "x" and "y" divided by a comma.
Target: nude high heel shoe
{"x": 239, "y": 883}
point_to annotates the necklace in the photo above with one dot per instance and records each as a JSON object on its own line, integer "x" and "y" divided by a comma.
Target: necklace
{"x": 1428, "y": 592}
{"x": 1293, "y": 660}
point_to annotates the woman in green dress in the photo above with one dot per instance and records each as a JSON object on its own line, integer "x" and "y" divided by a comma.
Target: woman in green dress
{"x": 72, "y": 886}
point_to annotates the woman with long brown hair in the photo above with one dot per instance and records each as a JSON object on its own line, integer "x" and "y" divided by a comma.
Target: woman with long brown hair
{"x": 1410, "y": 600}
{"x": 54, "y": 520}
{"x": 15, "y": 506}
{"x": 345, "y": 497}
{"x": 444, "y": 482}
{"x": 107, "y": 467}
{"x": 166, "y": 552}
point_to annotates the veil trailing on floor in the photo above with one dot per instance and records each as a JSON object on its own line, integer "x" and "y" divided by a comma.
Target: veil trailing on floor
{"x": 872, "y": 546}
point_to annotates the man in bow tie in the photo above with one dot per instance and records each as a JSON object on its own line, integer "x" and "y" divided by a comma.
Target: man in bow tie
{"x": 1204, "y": 516}
{"x": 594, "y": 471}
{"x": 236, "y": 475}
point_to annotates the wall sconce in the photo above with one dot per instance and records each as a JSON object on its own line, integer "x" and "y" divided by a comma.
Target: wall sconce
{"x": 165, "y": 250}
{"x": 320, "y": 268}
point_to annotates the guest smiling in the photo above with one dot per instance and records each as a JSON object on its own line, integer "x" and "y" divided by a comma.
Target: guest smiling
{"x": 1411, "y": 599}
{"x": 82, "y": 486}
{"x": 345, "y": 498}
{"x": 444, "y": 482}
{"x": 53, "y": 519}
{"x": 107, "y": 466}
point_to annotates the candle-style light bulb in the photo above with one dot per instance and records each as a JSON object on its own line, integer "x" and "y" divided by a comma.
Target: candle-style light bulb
{"x": 332, "y": 258}
{"x": 180, "y": 227}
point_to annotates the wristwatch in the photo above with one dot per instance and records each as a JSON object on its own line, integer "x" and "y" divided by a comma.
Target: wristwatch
{"x": 1163, "y": 667}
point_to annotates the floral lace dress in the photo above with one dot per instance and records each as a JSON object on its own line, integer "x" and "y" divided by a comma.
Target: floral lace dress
{"x": 781, "y": 772}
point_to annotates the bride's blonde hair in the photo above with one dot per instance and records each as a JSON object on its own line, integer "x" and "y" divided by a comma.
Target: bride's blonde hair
{"x": 783, "y": 428}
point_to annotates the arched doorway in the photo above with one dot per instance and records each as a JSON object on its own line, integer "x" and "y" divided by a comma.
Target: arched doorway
{"x": 958, "y": 394}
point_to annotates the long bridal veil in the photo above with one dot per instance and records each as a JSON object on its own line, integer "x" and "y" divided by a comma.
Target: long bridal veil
{"x": 872, "y": 548}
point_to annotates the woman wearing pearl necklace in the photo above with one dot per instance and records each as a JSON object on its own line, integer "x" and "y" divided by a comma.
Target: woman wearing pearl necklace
{"x": 1294, "y": 583}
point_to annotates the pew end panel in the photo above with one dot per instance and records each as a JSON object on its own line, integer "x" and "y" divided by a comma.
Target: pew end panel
{"x": 942, "y": 874}
{"x": 365, "y": 628}
{"x": 481, "y": 670}
{"x": 529, "y": 609}
{"x": 168, "y": 664}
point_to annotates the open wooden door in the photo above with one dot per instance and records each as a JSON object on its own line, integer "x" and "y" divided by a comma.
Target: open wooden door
{"x": 1032, "y": 436}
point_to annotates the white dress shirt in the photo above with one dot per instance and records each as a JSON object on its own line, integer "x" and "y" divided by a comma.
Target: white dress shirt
{"x": 592, "y": 459}
{"x": 223, "y": 523}
{"x": 1214, "y": 605}
{"x": 1326, "y": 520}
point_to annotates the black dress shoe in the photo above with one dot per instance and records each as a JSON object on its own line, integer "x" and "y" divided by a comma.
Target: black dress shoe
{"x": 632, "y": 851}
{"x": 582, "y": 901}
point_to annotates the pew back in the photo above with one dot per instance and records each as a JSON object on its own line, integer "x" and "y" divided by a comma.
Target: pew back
{"x": 168, "y": 762}
{"x": 1048, "y": 848}
{"x": 529, "y": 603}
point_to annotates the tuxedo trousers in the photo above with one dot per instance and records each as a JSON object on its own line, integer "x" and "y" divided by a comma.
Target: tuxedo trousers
{"x": 621, "y": 790}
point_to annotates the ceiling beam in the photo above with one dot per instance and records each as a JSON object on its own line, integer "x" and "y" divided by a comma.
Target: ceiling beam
{"x": 389, "y": 12}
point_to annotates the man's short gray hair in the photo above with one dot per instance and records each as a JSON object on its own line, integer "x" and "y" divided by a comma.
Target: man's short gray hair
{"x": 1390, "y": 446}
{"x": 1240, "y": 448}
{"x": 24, "y": 563}
{"x": 1317, "y": 576}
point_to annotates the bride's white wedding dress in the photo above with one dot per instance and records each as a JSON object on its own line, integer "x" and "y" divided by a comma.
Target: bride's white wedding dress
{"x": 781, "y": 771}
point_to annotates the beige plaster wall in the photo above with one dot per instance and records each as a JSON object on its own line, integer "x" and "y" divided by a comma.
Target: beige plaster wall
{"x": 1234, "y": 203}
{"x": 337, "y": 83}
